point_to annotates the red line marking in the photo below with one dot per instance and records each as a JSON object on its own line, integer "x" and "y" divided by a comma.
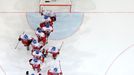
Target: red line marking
{"x": 55, "y": 4}
{"x": 116, "y": 58}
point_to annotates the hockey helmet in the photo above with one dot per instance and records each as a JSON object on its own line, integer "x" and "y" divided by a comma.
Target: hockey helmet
{"x": 35, "y": 60}
{"x": 25, "y": 36}
{"x": 53, "y": 48}
{"x": 37, "y": 52}
{"x": 47, "y": 25}
{"x": 55, "y": 69}
{"x": 34, "y": 41}
{"x": 46, "y": 17}
{"x": 39, "y": 30}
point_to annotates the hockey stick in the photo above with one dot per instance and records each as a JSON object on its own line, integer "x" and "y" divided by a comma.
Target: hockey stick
{"x": 61, "y": 45}
{"x": 18, "y": 42}
{"x": 60, "y": 66}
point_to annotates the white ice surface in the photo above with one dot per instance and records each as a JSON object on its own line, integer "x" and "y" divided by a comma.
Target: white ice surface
{"x": 90, "y": 51}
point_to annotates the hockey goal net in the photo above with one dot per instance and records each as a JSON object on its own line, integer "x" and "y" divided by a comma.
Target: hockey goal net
{"x": 56, "y": 6}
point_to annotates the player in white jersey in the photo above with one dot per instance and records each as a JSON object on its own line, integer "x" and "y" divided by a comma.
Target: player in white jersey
{"x": 48, "y": 13}
{"x": 48, "y": 17}
{"x": 35, "y": 45}
{"x": 39, "y": 55}
{"x": 47, "y": 29}
{"x": 35, "y": 63}
{"x": 45, "y": 16}
{"x": 26, "y": 40}
{"x": 53, "y": 50}
{"x": 41, "y": 36}
{"x": 54, "y": 71}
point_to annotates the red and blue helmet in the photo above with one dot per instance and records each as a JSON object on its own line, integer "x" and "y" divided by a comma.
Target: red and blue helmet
{"x": 25, "y": 36}
{"x": 55, "y": 69}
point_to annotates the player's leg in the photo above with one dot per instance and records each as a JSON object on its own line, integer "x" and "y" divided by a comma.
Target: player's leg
{"x": 27, "y": 48}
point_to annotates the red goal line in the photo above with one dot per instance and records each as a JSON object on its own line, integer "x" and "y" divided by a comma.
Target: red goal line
{"x": 55, "y": 4}
{"x": 70, "y": 5}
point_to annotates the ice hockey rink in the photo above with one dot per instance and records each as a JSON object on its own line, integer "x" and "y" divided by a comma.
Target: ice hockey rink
{"x": 103, "y": 45}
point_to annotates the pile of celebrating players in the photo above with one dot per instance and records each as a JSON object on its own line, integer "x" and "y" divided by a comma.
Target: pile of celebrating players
{"x": 37, "y": 46}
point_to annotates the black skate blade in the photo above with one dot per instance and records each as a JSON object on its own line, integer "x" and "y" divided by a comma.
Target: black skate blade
{"x": 27, "y": 72}
{"x": 47, "y": 1}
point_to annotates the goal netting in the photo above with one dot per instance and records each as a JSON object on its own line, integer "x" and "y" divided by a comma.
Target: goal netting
{"x": 55, "y": 5}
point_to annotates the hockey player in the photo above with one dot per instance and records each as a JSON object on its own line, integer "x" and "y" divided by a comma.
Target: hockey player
{"x": 35, "y": 45}
{"x": 41, "y": 36}
{"x": 45, "y": 16}
{"x": 47, "y": 29}
{"x": 54, "y": 71}
{"x": 35, "y": 63}
{"x": 53, "y": 50}
{"x": 43, "y": 24}
{"x": 26, "y": 40}
{"x": 39, "y": 55}
{"x": 48, "y": 17}
{"x": 45, "y": 13}
{"x": 50, "y": 14}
